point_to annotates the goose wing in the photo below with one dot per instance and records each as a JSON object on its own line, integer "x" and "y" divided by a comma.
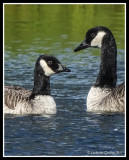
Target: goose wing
{"x": 14, "y": 94}
{"x": 118, "y": 95}
{"x": 116, "y": 99}
{"x": 119, "y": 91}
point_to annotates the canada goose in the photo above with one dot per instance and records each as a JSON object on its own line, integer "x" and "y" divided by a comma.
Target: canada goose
{"x": 19, "y": 100}
{"x": 104, "y": 95}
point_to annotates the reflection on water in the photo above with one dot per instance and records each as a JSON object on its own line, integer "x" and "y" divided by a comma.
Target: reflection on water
{"x": 31, "y": 30}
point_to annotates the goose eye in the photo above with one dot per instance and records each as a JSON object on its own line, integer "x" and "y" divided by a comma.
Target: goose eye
{"x": 49, "y": 62}
{"x": 92, "y": 35}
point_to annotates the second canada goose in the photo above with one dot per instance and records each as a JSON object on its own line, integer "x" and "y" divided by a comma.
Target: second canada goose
{"x": 19, "y": 100}
{"x": 104, "y": 95}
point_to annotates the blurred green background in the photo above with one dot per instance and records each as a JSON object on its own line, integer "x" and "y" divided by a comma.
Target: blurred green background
{"x": 58, "y": 28}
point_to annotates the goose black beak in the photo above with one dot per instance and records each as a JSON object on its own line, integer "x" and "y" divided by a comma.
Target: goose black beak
{"x": 83, "y": 45}
{"x": 66, "y": 70}
{"x": 63, "y": 69}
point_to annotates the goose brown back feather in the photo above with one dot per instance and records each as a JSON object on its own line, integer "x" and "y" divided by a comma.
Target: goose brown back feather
{"x": 14, "y": 95}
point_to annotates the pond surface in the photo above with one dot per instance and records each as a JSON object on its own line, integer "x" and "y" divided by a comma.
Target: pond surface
{"x": 32, "y": 30}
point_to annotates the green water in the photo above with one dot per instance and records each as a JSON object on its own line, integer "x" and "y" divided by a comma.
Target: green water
{"x": 54, "y": 28}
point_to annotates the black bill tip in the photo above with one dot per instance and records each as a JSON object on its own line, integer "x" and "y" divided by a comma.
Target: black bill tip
{"x": 67, "y": 70}
{"x": 76, "y": 49}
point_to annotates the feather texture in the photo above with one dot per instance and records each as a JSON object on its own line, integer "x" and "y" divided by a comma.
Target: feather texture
{"x": 14, "y": 95}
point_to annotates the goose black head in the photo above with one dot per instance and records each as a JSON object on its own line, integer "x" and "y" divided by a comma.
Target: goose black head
{"x": 49, "y": 65}
{"x": 94, "y": 38}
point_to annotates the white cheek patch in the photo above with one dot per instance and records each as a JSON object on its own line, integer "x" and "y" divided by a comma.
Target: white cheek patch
{"x": 47, "y": 70}
{"x": 97, "y": 41}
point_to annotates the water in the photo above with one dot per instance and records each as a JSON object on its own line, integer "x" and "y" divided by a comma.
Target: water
{"x": 72, "y": 131}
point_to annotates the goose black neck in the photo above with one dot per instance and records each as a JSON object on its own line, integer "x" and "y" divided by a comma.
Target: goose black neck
{"x": 41, "y": 85}
{"x": 107, "y": 75}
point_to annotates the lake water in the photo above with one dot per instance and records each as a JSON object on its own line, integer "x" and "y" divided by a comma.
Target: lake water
{"x": 32, "y": 30}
